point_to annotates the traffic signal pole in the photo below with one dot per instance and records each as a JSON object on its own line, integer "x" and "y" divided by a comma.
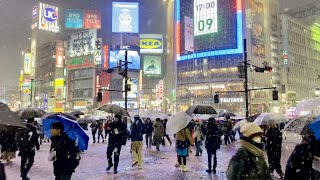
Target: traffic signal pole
{"x": 126, "y": 81}
{"x": 246, "y": 77}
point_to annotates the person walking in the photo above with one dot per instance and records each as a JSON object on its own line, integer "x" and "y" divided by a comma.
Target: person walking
{"x": 249, "y": 162}
{"x": 27, "y": 143}
{"x": 117, "y": 133}
{"x": 166, "y": 136}
{"x": 105, "y": 127}
{"x": 157, "y": 133}
{"x": 9, "y": 146}
{"x": 198, "y": 138}
{"x": 66, "y": 155}
{"x": 94, "y": 128}
{"x": 149, "y": 130}
{"x": 137, "y": 131}
{"x": 100, "y": 130}
{"x": 299, "y": 164}
{"x": 212, "y": 144}
{"x": 273, "y": 147}
{"x": 184, "y": 140}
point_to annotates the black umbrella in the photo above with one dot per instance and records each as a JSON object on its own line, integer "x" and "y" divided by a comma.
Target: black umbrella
{"x": 30, "y": 112}
{"x": 114, "y": 109}
{"x": 76, "y": 113}
{"x": 201, "y": 109}
{"x": 9, "y": 119}
{"x": 226, "y": 114}
{"x": 45, "y": 116}
{"x": 86, "y": 120}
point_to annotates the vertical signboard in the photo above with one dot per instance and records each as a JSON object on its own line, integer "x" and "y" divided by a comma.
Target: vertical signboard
{"x": 27, "y": 63}
{"x": 125, "y": 17}
{"x": 105, "y": 56}
{"x": 160, "y": 89}
{"x": 73, "y": 19}
{"x": 92, "y": 19}
{"x": 48, "y": 18}
{"x": 188, "y": 34}
{"x": 97, "y": 52}
{"x": 59, "y": 94}
{"x": 59, "y": 54}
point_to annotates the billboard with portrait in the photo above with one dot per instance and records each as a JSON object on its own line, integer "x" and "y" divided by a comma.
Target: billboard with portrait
{"x": 73, "y": 19}
{"x": 125, "y": 17}
{"x": 152, "y": 66}
{"x": 92, "y": 19}
{"x": 256, "y": 22}
{"x": 82, "y": 43}
{"x": 133, "y": 58}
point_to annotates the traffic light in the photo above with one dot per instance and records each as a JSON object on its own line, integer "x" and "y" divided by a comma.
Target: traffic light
{"x": 99, "y": 96}
{"x": 275, "y": 95}
{"x": 260, "y": 70}
{"x": 216, "y": 98}
{"x": 241, "y": 71}
{"x": 127, "y": 87}
{"x": 268, "y": 68}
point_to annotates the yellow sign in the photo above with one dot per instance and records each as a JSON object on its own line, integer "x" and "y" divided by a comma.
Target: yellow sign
{"x": 58, "y": 88}
{"x": 27, "y": 91}
{"x": 150, "y": 43}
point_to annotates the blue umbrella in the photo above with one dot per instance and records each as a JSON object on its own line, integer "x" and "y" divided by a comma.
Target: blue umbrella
{"x": 315, "y": 128}
{"x": 71, "y": 127}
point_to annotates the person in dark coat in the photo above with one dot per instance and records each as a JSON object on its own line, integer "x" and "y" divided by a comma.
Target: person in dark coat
{"x": 67, "y": 155}
{"x": 165, "y": 132}
{"x": 2, "y": 172}
{"x": 149, "y": 130}
{"x": 94, "y": 129}
{"x": 9, "y": 146}
{"x": 248, "y": 162}
{"x": 212, "y": 143}
{"x": 117, "y": 133}
{"x": 299, "y": 164}
{"x": 273, "y": 147}
{"x": 27, "y": 143}
{"x": 137, "y": 130}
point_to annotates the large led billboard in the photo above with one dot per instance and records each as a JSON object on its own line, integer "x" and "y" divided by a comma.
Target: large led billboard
{"x": 152, "y": 66}
{"x": 73, "y": 19}
{"x": 48, "y": 18}
{"x": 82, "y": 43}
{"x": 92, "y": 19}
{"x": 133, "y": 58}
{"x": 125, "y": 17}
{"x": 208, "y": 28}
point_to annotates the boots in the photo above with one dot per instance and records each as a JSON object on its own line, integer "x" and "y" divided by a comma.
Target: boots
{"x": 184, "y": 168}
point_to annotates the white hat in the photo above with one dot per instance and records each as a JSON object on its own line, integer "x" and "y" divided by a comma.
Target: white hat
{"x": 250, "y": 129}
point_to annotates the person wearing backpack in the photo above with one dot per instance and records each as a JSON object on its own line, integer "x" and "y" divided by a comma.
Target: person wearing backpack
{"x": 66, "y": 155}
{"x": 27, "y": 142}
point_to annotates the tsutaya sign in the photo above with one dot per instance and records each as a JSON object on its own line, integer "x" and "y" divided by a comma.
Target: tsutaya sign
{"x": 216, "y": 86}
{"x": 231, "y": 100}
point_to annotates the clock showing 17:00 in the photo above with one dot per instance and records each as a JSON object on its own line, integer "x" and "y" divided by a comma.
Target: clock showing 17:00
{"x": 205, "y": 17}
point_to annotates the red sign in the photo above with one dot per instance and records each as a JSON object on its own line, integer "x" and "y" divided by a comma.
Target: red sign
{"x": 105, "y": 81}
{"x": 160, "y": 89}
{"x": 59, "y": 54}
{"x": 92, "y": 19}
{"x": 105, "y": 56}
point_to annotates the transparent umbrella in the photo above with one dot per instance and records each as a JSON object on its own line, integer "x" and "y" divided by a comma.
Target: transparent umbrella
{"x": 270, "y": 118}
{"x": 299, "y": 125}
{"x": 177, "y": 122}
{"x": 309, "y": 107}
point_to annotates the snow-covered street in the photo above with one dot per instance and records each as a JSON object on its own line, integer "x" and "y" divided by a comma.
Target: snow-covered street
{"x": 157, "y": 165}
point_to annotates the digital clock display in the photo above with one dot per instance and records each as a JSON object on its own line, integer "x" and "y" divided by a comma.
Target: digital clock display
{"x": 205, "y": 17}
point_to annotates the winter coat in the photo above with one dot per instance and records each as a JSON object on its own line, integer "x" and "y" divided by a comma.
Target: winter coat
{"x": 9, "y": 143}
{"x": 158, "y": 133}
{"x": 164, "y": 127}
{"x": 149, "y": 128}
{"x": 299, "y": 165}
{"x": 94, "y": 127}
{"x": 137, "y": 131}
{"x": 198, "y": 133}
{"x": 27, "y": 141}
{"x": 100, "y": 126}
{"x": 273, "y": 143}
{"x": 66, "y": 152}
{"x": 117, "y": 134}
{"x": 213, "y": 138}
{"x": 184, "y": 135}
{"x": 248, "y": 163}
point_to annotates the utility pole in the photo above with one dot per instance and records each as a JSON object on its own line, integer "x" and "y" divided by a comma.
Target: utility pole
{"x": 126, "y": 81}
{"x": 246, "y": 77}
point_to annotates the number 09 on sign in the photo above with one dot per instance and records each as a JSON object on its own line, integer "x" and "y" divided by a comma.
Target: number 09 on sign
{"x": 205, "y": 17}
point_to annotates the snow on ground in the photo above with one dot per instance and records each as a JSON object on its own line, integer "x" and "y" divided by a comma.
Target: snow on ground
{"x": 156, "y": 165}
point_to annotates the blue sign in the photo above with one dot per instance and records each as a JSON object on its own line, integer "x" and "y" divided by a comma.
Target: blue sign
{"x": 125, "y": 17}
{"x": 73, "y": 19}
{"x": 50, "y": 14}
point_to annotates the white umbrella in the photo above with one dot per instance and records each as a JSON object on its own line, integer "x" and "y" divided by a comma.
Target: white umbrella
{"x": 177, "y": 122}
{"x": 270, "y": 118}
{"x": 238, "y": 125}
{"x": 308, "y": 107}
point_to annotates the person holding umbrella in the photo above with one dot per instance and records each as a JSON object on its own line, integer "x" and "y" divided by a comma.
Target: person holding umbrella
{"x": 117, "y": 134}
{"x": 65, "y": 153}
{"x": 184, "y": 140}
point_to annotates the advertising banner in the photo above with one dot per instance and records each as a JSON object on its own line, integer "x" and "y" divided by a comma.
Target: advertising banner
{"x": 58, "y": 88}
{"x": 256, "y": 21}
{"x": 151, "y": 43}
{"x": 125, "y": 17}
{"x": 133, "y": 94}
{"x": 97, "y": 53}
{"x": 92, "y": 19}
{"x": 188, "y": 34}
{"x": 27, "y": 64}
{"x": 152, "y": 66}
{"x": 133, "y": 58}
{"x": 59, "y": 54}
{"x": 82, "y": 43}
{"x": 73, "y": 19}
{"x": 105, "y": 56}
{"x": 205, "y": 17}
{"x": 80, "y": 62}
{"x": 48, "y": 18}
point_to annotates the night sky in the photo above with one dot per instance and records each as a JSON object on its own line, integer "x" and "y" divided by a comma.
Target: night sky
{"x": 15, "y": 30}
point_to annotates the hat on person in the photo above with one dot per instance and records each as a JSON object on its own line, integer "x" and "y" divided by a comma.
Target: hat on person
{"x": 250, "y": 129}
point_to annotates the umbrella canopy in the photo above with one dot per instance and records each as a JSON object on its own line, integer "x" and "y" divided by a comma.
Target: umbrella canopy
{"x": 315, "y": 128}
{"x": 299, "y": 125}
{"x": 9, "y": 119}
{"x": 177, "y": 122}
{"x": 308, "y": 107}
{"x": 238, "y": 125}
{"x": 30, "y": 112}
{"x": 270, "y": 118}
{"x": 201, "y": 109}
{"x": 71, "y": 127}
{"x": 162, "y": 116}
{"x": 114, "y": 109}
{"x": 203, "y": 117}
{"x": 225, "y": 114}
{"x": 47, "y": 115}
{"x": 87, "y": 120}
{"x": 76, "y": 113}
